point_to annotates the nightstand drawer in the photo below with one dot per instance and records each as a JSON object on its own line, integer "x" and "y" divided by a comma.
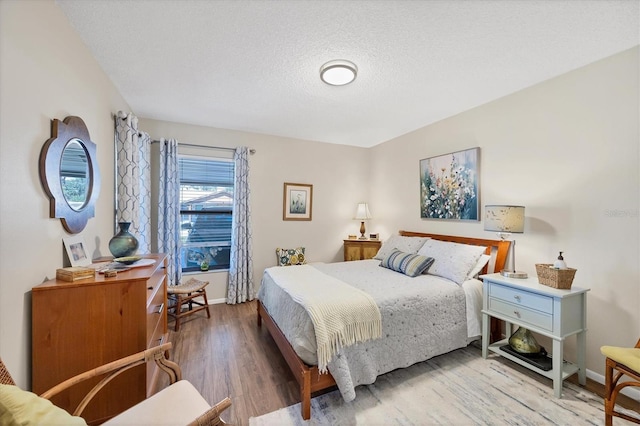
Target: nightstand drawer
{"x": 520, "y": 313}
{"x": 520, "y": 297}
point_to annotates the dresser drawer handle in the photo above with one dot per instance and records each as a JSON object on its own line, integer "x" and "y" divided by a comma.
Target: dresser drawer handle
{"x": 517, "y": 297}
{"x": 160, "y": 308}
{"x": 517, "y": 313}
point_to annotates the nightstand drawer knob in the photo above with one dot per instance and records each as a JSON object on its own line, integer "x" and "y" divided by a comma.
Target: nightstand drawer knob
{"x": 517, "y": 297}
{"x": 516, "y": 313}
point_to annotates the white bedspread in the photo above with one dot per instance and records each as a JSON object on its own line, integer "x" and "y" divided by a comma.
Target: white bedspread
{"x": 422, "y": 317}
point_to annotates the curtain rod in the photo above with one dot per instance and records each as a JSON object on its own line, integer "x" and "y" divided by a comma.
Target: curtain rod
{"x": 251, "y": 151}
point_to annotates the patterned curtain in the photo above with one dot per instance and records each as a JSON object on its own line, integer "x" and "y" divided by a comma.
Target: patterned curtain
{"x": 133, "y": 149}
{"x": 169, "y": 209}
{"x": 240, "y": 288}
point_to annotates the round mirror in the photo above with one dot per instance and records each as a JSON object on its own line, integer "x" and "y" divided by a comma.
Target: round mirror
{"x": 69, "y": 173}
{"x": 74, "y": 174}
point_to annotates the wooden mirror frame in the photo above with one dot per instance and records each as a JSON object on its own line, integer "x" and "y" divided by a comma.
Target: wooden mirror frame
{"x": 62, "y": 132}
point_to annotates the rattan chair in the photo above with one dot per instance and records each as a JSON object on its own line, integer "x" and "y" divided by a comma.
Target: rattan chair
{"x": 625, "y": 362}
{"x": 185, "y": 294}
{"x": 152, "y": 410}
{"x": 5, "y": 377}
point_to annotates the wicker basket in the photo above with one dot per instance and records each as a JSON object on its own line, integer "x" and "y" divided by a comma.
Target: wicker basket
{"x": 556, "y": 278}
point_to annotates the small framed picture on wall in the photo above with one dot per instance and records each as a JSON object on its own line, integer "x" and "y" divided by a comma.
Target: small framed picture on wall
{"x": 297, "y": 201}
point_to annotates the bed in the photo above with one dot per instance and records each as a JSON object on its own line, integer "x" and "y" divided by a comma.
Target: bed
{"x": 422, "y": 317}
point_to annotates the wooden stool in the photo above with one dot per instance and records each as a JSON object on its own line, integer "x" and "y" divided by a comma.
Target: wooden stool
{"x": 186, "y": 293}
{"x": 620, "y": 362}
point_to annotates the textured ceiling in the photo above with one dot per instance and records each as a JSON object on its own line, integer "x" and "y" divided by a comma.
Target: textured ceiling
{"x": 254, "y": 65}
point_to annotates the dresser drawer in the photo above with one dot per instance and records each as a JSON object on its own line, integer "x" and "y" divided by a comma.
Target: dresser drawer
{"x": 515, "y": 296}
{"x": 154, "y": 315}
{"x": 157, "y": 338}
{"x": 520, "y": 313}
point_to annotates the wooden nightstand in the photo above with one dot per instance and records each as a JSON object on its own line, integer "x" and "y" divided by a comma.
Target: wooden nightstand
{"x": 550, "y": 312}
{"x": 360, "y": 249}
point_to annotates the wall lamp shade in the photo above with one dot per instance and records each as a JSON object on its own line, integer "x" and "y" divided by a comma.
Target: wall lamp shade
{"x": 338, "y": 72}
{"x": 362, "y": 214}
{"x": 506, "y": 220}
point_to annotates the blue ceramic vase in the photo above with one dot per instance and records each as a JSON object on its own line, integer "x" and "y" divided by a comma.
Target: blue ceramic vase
{"x": 123, "y": 243}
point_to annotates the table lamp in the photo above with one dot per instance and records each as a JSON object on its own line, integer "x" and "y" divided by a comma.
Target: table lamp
{"x": 362, "y": 214}
{"x": 506, "y": 220}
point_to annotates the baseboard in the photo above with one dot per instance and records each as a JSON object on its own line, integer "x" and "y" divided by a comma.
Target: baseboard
{"x": 217, "y": 301}
{"x": 631, "y": 392}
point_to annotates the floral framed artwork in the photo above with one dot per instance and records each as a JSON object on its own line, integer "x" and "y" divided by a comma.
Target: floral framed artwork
{"x": 77, "y": 251}
{"x": 297, "y": 201}
{"x": 450, "y": 186}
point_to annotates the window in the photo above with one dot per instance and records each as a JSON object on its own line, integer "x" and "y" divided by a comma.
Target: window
{"x": 206, "y": 209}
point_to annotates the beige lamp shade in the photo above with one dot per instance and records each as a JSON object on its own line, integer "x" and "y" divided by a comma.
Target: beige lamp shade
{"x": 362, "y": 212}
{"x": 501, "y": 218}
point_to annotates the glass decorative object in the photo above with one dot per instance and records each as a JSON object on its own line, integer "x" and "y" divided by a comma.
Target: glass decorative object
{"x": 522, "y": 341}
{"x": 123, "y": 243}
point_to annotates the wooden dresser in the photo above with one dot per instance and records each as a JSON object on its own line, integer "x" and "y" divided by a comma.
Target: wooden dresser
{"x": 360, "y": 249}
{"x": 77, "y": 326}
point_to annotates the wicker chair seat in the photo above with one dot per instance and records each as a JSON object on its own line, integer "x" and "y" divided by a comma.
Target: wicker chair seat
{"x": 189, "y": 286}
{"x": 186, "y": 293}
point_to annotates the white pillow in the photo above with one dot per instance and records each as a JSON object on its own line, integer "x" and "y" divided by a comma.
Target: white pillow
{"x": 453, "y": 261}
{"x": 404, "y": 244}
{"x": 483, "y": 260}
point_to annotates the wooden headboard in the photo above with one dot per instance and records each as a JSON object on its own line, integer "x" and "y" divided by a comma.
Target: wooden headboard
{"x": 497, "y": 249}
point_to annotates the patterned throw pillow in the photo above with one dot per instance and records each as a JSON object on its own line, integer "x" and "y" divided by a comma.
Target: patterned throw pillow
{"x": 409, "y": 264}
{"x": 288, "y": 257}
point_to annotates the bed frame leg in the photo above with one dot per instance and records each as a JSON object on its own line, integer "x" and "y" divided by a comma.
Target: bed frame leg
{"x": 259, "y": 316}
{"x": 305, "y": 395}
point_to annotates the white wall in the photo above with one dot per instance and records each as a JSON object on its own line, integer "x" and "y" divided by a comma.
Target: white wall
{"x": 46, "y": 72}
{"x": 338, "y": 175}
{"x": 568, "y": 150}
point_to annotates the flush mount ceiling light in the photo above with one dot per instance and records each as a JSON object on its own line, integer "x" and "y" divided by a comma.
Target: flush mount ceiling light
{"x": 339, "y": 72}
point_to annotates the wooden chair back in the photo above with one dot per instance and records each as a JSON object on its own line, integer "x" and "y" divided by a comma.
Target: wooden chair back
{"x": 112, "y": 369}
{"x": 614, "y": 371}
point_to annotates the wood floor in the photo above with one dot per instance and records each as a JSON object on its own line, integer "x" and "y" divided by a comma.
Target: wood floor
{"x": 229, "y": 355}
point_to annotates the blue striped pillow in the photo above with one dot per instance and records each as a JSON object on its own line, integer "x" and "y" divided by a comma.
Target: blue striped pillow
{"x": 409, "y": 264}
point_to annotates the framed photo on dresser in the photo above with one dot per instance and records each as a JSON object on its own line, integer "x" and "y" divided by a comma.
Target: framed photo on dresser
{"x": 77, "y": 251}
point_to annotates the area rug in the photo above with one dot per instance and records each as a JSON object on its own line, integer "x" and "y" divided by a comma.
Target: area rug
{"x": 458, "y": 388}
